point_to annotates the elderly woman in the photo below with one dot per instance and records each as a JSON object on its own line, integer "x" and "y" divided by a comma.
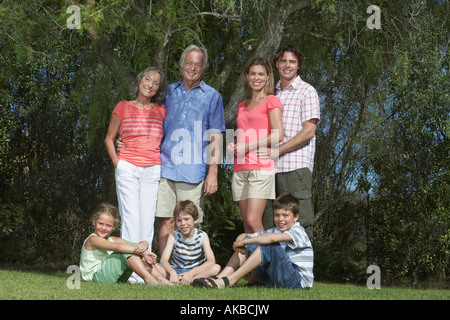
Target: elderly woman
{"x": 138, "y": 164}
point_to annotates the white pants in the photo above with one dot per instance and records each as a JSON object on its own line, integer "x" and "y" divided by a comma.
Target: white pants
{"x": 137, "y": 190}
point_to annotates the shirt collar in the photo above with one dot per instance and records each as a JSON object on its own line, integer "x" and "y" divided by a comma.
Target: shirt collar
{"x": 295, "y": 84}
{"x": 202, "y": 84}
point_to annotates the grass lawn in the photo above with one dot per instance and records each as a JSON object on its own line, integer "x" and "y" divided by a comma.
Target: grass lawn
{"x": 36, "y": 285}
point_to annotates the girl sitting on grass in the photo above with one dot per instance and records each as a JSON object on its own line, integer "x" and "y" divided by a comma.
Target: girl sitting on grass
{"x": 106, "y": 259}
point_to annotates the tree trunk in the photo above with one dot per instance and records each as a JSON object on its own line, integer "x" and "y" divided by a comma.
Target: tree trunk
{"x": 276, "y": 15}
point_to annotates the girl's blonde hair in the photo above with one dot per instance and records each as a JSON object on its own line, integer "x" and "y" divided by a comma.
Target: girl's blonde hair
{"x": 108, "y": 209}
{"x": 258, "y": 61}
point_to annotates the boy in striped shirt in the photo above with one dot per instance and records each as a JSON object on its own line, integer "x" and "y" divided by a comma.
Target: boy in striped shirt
{"x": 265, "y": 253}
{"x": 188, "y": 254}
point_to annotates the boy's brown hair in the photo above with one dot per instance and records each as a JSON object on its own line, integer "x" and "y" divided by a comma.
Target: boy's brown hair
{"x": 286, "y": 202}
{"x": 187, "y": 207}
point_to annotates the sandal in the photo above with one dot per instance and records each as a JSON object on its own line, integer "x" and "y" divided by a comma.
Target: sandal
{"x": 226, "y": 282}
{"x": 201, "y": 282}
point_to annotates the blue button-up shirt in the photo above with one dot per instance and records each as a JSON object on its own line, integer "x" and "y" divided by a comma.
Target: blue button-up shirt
{"x": 190, "y": 118}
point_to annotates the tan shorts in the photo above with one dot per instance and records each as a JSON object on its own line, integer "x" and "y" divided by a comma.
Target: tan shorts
{"x": 256, "y": 184}
{"x": 170, "y": 192}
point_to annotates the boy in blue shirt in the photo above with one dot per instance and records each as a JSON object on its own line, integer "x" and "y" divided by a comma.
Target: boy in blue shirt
{"x": 280, "y": 257}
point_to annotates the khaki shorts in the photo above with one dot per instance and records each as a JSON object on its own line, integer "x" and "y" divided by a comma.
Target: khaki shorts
{"x": 256, "y": 184}
{"x": 170, "y": 192}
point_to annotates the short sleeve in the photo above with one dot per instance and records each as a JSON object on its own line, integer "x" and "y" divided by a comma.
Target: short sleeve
{"x": 216, "y": 115}
{"x": 311, "y": 106}
{"x": 163, "y": 111}
{"x": 273, "y": 103}
{"x": 120, "y": 110}
{"x": 298, "y": 236}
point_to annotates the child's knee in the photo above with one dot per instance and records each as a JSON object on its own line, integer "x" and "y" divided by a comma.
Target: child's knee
{"x": 215, "y": 269}
{"x": 132, "y": 259}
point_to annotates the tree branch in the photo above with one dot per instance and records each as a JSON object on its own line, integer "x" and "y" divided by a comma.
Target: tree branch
{"x": 276, "y": 15}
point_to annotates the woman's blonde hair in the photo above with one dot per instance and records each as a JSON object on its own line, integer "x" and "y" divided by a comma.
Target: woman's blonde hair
{"x": 258, "y": 61}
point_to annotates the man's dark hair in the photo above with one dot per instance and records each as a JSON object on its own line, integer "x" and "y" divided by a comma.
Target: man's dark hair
{"x": 295, "y": 52}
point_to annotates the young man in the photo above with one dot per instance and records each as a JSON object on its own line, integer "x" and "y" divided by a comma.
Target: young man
{"x": 301, "y": 114}
{"x": 280, "y": 257}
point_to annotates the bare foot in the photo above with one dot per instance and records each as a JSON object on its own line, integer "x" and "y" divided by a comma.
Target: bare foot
{"x": 164, "y": 281}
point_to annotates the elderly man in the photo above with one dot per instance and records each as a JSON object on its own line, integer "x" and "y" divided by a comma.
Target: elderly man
{"x": 192, "y": 140}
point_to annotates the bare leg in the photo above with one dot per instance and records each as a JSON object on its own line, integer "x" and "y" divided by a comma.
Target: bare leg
{"x": 237, "y": 267}
{"x": 140, "y": 268}
{"x": 236, "y": 260}
{"x": 252, "y": 211}
{"x": 159, "y": 273}
{"x": 167, "y": 227}
{"x": 211, "y": 272}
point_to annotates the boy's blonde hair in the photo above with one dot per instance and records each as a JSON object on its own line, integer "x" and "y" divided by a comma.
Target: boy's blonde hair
{"x": 286, "y": 202}
{"x": 186, "y": 207}
{"x": 108, "y": 209}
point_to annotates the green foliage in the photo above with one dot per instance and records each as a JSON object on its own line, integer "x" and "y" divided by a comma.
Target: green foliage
{"x": 222, "y": 219}
{"x": 381, "y": 168}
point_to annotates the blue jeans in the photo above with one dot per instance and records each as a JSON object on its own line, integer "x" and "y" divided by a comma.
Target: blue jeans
{"x": 181, "y": 270}
{"x": 276, "y": 269}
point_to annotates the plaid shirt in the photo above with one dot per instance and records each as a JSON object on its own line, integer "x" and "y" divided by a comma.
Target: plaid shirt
{"x": 300, "y": 103}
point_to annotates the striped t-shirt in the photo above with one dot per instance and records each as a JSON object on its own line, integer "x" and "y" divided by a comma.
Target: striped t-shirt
{"x": 188, "y": 255}
{"x": 300, "y": 252}
{"x": 141, "y": 131}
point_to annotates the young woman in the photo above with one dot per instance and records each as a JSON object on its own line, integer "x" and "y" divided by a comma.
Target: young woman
{"x": 259, "y": 125}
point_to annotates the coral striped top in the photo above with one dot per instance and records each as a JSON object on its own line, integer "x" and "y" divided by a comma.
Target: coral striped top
{"x": 141, "y": 131}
